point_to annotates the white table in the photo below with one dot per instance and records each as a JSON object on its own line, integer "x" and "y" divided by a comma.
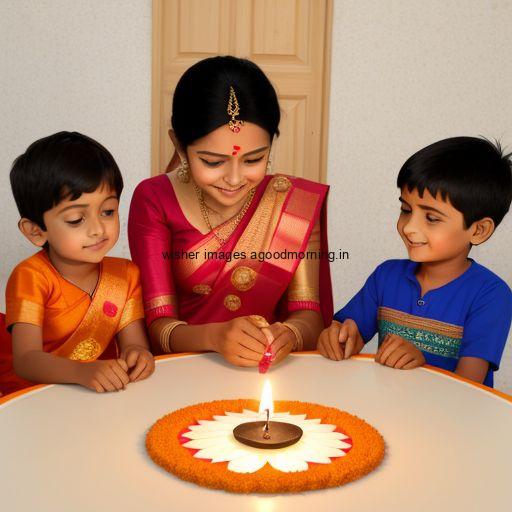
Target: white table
{"x": 449, "y": 447}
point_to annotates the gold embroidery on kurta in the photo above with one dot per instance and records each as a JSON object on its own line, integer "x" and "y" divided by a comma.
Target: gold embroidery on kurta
{"x": 415, "y": 322}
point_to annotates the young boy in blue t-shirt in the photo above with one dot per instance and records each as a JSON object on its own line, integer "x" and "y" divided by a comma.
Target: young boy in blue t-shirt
{"x": 439, "y": 306}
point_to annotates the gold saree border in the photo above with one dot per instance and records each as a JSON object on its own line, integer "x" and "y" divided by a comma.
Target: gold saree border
{"x": 303, "y": 293}
{"x": 132, "y": 311}
{"x": 185, "y": 267}
{"x": 98, "y": 327}
{"x": 257, "y": 235}
{"x": 161, "y": 300}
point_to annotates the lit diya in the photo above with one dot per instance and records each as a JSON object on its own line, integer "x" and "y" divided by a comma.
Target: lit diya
{"x": 286, "y": 446}
{"x": 267, "y": 434}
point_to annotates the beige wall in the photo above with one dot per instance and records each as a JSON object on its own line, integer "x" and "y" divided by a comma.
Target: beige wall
{"x": 73, "y": 65}
{"x": 405, "y": 74}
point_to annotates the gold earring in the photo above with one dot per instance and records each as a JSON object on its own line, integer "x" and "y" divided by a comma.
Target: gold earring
{"x": 183, "y": 172}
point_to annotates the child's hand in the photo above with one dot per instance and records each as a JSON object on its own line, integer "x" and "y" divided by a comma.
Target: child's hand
{"x": 104, "y": 375}
{"x": 340, "y": 340}
{"x": 140, "y": 359}
{"x": 396, "y": 352}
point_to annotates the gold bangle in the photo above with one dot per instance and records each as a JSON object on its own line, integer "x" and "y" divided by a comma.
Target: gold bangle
{"x": 299, "y": 340}
{"x": 165, "y": 335}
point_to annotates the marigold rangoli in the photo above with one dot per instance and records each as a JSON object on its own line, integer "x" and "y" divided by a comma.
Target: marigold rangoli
{"x": 196, "y": 444}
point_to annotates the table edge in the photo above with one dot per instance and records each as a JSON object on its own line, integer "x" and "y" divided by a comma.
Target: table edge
{"x": 362, "y": 357}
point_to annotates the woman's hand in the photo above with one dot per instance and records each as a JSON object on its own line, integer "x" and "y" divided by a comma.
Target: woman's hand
{"x": 284, "y": 340}
{"x": 340, "y": 340}
{"x": 239, "y": 341}
{"x": 396, "y": 352}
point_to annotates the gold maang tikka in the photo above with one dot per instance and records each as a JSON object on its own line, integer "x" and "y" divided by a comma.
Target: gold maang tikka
{"x": 233, "y": 111}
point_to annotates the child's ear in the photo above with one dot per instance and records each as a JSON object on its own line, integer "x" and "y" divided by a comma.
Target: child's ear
{"x": 32, "y": 232}
{"x": 482, "y": 230}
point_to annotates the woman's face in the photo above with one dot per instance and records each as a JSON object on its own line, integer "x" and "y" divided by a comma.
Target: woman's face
{"x": 227, "y": 165}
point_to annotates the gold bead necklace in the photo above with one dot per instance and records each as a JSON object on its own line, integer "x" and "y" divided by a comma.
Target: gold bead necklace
{"x": 231, "y": 223}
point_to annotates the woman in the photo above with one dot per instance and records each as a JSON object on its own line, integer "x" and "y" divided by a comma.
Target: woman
{"x": 198, "y": 232}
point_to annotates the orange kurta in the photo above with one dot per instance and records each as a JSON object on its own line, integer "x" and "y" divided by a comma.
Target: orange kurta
{"x": 37, "y": 294}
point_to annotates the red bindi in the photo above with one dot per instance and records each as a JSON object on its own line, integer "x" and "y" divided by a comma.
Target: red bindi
{"x": 235, "y": 150}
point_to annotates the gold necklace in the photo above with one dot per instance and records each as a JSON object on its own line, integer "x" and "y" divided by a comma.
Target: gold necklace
{"x": 231, "y": 223}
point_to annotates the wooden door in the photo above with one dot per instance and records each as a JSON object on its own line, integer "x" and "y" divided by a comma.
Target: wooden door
{"x": 288, "y": 39}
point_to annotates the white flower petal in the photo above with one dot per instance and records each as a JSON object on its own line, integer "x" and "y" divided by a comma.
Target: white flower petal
{"x": 331, "y": 443}
{"x": 315, "y": 421}
{"x": 242, "y": 415}
{"x": 208, "y": 424}
{"x": 303, "y": 424}
{"x": 318, "y": 428}
{"x": 328, "y": 435}
{"x": 287, "y": 420}
{"x": 252, "y": 414}
{"x": 298, "y": 417}
{"x": 326, "y": 451}
{"x": 220, "y": 451}
{"x": 294, "y": 451}
{"x": 249, "y": 463}
{"x": 207, "y": 434}
{"x": 233, "y": 451}
{"x": 287, "y": 464}
{"x": 199, "y": 444}
{"x": 311, "y": 455}
{"x": 231, "y": 420}
{"x": 285, "y": 416}
{"x": 214, "y": 440}
{"x": 213, "y": 452}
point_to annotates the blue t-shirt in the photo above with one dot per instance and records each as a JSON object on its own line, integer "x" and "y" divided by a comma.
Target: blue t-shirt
{"x": 467, "y": 317}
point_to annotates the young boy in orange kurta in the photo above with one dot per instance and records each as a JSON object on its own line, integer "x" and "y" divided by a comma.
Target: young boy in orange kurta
{"x": 67, "y": 304}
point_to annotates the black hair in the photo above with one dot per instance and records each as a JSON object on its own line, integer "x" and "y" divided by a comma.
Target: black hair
{"x": 201, "y": 97}
{"x": 60, "y": 166}
{"x": 472, "y": 173}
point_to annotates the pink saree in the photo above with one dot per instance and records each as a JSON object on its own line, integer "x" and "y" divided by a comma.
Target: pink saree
{"x": 188, "y": 275}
